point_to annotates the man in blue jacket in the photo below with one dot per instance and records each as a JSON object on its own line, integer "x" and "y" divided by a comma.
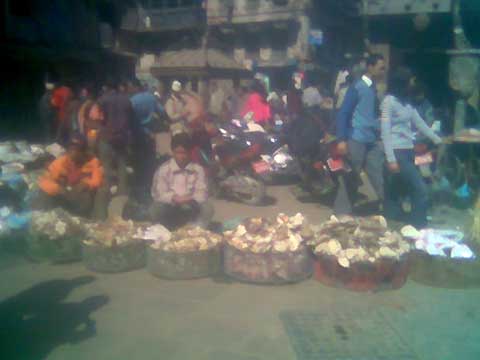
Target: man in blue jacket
{"x": 358, "y": 130}
{"x": 146, "y": 111}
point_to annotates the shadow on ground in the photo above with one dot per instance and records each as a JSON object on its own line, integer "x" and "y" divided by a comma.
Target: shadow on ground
{"x": 37, "y": 320}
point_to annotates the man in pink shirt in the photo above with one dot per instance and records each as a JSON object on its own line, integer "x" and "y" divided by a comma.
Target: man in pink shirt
{"x": 179, "y": 190}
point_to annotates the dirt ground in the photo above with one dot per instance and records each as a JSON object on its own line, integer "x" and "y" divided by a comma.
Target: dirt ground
{"x": 63, "y": 312}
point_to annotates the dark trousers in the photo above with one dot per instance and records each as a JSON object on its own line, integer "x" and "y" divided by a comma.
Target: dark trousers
{"x": 144, "y": 166}
{"x": 114, "y": 162}
{"x": 409, "y": 177}
{"x": 361, "y": 156}
{"x": 78, "y": 203}
{"x": 175, "y": 216}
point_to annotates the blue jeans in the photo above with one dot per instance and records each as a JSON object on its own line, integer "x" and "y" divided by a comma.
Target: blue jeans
{"x": 408, "y": 181}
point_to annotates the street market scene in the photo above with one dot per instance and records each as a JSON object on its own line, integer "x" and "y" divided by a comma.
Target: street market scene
{"x": 241, "y": 180}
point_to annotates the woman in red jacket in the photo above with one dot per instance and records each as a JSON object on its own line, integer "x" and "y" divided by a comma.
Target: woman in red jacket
{"x": 257, "y": 104}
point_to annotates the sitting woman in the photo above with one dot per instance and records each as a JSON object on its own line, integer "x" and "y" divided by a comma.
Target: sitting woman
{"x": 71, "y": 181}
{"x": 399, "y": 118}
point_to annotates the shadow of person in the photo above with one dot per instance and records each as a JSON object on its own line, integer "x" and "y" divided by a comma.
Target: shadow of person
{"x": 37, "y": 320}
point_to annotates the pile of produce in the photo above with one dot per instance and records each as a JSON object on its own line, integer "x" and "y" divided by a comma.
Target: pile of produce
{"x": 188, "y": 253}
{"x": 185, "y": 239}
{"x": 54, "y": 235}
{"x": 261, "y": 235}
{"x": 115, "y": 232}
{"x": 358, "y": 240}
{"x": 269, "y": 250}
{"x": 113, "y": 246}
{"x": 16, "y": 154}
{"x": 56, "y": 224}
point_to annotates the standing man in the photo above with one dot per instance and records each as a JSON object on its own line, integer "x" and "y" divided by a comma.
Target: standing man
{"x": 358, "y": 130}
{"x": 115, "y": 136}
{"x": 60, "y": 100}
{"x": 174, "y": 106}
{"x": 146, "y": 110}
{"x": 46, "y": 113}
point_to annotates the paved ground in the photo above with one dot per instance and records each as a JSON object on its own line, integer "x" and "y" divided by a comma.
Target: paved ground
{"x": 65, "y": 312}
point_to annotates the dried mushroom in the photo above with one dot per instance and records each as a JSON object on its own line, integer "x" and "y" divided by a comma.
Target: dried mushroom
{"x": 115, "y": 232}
{"x": 188, "y": 239}
{"x": 261, "y": 235}
{"x": 352, "y": 240}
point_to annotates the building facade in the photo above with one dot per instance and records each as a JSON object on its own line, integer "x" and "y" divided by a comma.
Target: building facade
{"x": 259, "y": 35}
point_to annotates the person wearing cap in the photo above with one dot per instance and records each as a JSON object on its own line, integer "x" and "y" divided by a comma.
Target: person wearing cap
{"x": 71, "y": 181}
{"x": 174, "y": 105}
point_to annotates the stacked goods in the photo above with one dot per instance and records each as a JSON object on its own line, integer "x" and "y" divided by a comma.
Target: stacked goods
{"x": 188, "y": 253}
{"x": 269, "y": 251}
{"x": 360, "y": 253}
{"x": 113, "y": 246}
{"x": 16, "y": 155}
{"x": 21, "y": 164}
{"x": 54, "y": 236}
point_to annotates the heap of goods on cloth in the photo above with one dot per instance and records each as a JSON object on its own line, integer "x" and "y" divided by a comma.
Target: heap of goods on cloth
{"x": 21, "y": 164}
{"x": 273, "y": 251}
{"x": 443, "y": 257}
{"x": 114, "y": 246}
{"x": 360, "y": 253}
{"x": 188, "y": 253}
{"x": 55, "y": 236}
{"x": 15, "y": 156}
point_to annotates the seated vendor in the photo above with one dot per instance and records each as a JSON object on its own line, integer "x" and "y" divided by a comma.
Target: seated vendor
{"x": 179, "y": 189}
{"x": 71, "y": 181}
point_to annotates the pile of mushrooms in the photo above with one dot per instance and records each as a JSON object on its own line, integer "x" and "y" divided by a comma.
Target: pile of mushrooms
{"x": 358, "y": 240}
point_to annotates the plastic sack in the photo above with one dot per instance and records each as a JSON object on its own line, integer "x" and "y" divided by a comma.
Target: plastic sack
{"x": 464, "y": 192}
{"x": 441, "y": 243}
{"x": 19, "y": 221}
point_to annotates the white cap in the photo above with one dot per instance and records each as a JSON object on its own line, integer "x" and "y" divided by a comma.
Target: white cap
{"x": 176, "y": 85}
{"x": 49, "y": 86}
{"x": 272, "y": 96}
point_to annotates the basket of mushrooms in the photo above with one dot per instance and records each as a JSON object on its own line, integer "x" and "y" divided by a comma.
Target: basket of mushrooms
{"x": 360, "y": 254}
{"x": 54, "y": 236}
{"x": 269, "y": 251}
{"x": 113, "y": 247}
{"x": 190, "y": 252}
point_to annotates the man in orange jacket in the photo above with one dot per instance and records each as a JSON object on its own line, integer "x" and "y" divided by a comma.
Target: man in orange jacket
{"x": 71, "y": 181}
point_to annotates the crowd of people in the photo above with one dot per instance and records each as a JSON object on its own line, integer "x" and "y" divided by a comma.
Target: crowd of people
{"x": 111, "y": 140}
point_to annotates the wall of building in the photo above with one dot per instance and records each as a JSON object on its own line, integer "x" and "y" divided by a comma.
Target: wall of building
{"x": 399, "y": 7}
{"x": 247, "y": 11}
